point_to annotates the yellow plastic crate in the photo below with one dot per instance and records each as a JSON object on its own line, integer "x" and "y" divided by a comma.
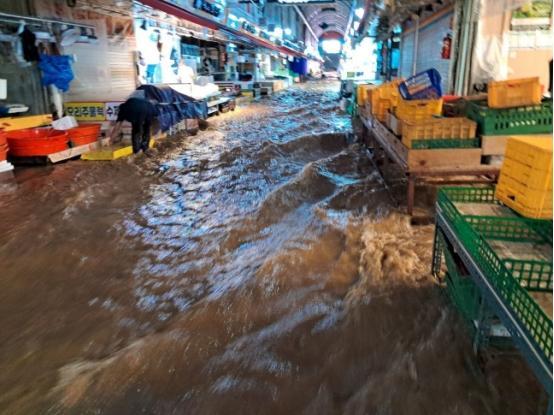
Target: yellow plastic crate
{"x": 532, "y": 177}
{"x": 438, "y": 128}
{"x": 363, "y": 93}
{"x": 387, "y": 91}
{"x": 531, "y": 151}
{"x": 418, "y": 109}
{"x": 381, "y": 108}
{"x": 514, "y": 93}
{"x": 536, "y": 204}
{"x": 525, "y": 182}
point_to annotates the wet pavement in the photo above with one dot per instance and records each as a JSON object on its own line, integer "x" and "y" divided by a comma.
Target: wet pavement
{"x": 260, "y": 267}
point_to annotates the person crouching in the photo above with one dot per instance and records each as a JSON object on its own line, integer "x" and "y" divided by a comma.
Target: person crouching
{"x": 141, "y": 114}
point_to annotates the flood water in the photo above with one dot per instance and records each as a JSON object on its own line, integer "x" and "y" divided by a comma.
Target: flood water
{"x": 260, "y": 267}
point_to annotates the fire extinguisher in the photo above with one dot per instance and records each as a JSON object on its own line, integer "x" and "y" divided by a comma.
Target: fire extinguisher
{"x": 446, "y": 47}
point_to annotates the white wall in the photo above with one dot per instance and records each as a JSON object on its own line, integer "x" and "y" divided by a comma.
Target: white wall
{"x": 429, "y": 48}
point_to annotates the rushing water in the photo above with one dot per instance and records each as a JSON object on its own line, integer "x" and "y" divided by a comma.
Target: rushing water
{"x": 260, "y": 267}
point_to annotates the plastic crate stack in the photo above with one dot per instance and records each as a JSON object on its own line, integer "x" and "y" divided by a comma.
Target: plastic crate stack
{"x": 418, "y": 117}
{"x": 525, "y": 182}
{"x": 513, "y": 107}
{"x": 378, "y": 100}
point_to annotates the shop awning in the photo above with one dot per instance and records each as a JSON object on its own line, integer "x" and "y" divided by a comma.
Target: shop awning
{"x": 176, "y": 11}
{"x": 181, "y": 13}
{"x": 248, "y": 38}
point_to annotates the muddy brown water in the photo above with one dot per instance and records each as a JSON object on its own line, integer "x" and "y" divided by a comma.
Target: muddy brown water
{"x": 257, "y": 268}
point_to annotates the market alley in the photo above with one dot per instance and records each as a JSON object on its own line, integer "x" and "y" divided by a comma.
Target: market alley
{"x": 260, "y": 267}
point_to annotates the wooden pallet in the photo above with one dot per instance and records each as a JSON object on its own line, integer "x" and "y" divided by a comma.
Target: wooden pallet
{"x": 77, "y": 151}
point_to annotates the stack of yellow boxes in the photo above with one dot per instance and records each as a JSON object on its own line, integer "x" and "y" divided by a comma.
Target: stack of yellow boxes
{"x": 384, "y": 98}
{"x": 525, "y": 182}
{"x": 378, "y": 100}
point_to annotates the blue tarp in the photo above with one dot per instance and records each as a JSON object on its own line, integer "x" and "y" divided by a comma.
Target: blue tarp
{"x": 56, "y": 69}
{"x": 299, "y": 66}
{"x": 172, "y": 106}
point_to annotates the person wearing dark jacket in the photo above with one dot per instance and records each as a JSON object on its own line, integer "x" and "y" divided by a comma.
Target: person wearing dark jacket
{"x": 140, "y": 113}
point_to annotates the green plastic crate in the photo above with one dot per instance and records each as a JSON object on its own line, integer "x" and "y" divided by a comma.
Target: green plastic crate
{"x": 461, "y": 289}
{"x": 511, "y": 279}
{"x": 522, "y": 120}
{"x": 446, "y": 143}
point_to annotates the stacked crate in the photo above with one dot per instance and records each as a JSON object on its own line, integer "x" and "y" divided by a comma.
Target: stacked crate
{"x": 381, "y": 99}
{"x": 513, "y": 107}
{"x": 421, "y": 126}
{"x": 430, "y": 133}
{"x": 362, "y": 93}
{"x": 418, "y": 110}
{"x": 525, "y": 182}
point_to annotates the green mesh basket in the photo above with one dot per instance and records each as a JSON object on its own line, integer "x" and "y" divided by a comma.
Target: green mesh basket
{"x": 522, "y": 120}
{"x": 445, "y": 143}
{"x": 511, "y": 278}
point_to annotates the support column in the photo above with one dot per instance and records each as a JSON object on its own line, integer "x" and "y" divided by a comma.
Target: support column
{"x": 411, "y": 194}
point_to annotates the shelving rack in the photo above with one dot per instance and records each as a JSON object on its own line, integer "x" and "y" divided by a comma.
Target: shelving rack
{"x": 504, "y": 285}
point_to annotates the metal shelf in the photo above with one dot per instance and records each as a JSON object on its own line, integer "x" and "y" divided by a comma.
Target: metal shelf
{"x": 520, "y": 336}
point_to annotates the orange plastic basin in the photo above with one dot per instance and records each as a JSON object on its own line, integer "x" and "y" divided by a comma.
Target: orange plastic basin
{"x": 84, "y": 134}
{"x": 36, "y": 142}
{"x": 3, "y": 151}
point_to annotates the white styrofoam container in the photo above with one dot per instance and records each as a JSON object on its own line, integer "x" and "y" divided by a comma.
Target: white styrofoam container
{"x": 65, "y": 123}
{"x": 3, "y": 89}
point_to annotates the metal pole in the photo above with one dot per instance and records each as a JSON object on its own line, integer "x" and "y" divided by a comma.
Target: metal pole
{"x": 464, "y": 47}
{"x": 350, "y": 19}
{"x": 454, "y": 46}
{"x": 34, "y": 19}
{"x": 416, "y": 47}
{"x": 305, "y": 22}
{"x": 470, "y": 45}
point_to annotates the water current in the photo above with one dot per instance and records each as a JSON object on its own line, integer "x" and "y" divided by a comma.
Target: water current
{"x": 260, "y": 267}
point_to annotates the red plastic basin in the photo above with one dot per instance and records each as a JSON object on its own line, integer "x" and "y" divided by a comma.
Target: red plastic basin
{"x": 84, "y": 134}
{"x": 85, "y": 130}
{"x": 36, "y": 142}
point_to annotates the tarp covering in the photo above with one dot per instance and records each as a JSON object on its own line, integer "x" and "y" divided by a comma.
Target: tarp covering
{"x": 299, "y": 66}
{"x": 56, "y": 70}
{"x": 172, "y": 106}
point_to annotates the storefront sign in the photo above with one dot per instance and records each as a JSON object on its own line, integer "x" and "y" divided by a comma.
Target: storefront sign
{"x": 86, "y": 111}
{"x": 93, "y": 111}
{"x": 210, "y": 8}
{"x": 111, "y": 110}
